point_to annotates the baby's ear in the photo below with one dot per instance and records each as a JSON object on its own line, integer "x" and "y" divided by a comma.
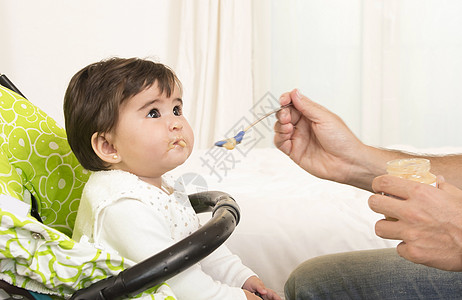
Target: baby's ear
{"x": 101, "y": 143}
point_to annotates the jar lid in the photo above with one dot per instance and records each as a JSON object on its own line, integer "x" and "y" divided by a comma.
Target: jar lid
{"x": 408, "y": 165}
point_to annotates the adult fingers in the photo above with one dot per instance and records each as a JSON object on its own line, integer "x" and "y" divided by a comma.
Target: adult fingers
{"x": 308, "y": 108}
{"x": 286, "y": 128}
{"x": 386, "y": 205}
{"x": 414, "y": 254}
{"x": 302, "y": 106}
{"x": 391, "y": 230}
{"x": 285, "y": 145}
{"x": 283, "y": 133}
{"x": 447, "y": 187}
{"x": 393, "y": 185}
{"x": 285, "y": 99}
{"x": 288, "y": 114}
{"x": 284, "y": 116}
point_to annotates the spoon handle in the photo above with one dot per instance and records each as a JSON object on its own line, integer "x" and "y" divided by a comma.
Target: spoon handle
{"x": 267, "y": 115}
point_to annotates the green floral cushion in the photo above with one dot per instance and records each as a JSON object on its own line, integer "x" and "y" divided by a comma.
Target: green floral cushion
{"x": 10, "y": 180}
{"x": 41, "y": 259}
{"x": 40, "y": 160}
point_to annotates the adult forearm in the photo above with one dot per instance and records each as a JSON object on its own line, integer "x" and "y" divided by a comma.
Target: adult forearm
{"x": 449, "y": 166}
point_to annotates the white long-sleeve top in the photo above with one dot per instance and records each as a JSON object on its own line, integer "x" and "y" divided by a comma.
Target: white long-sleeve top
{"x": 120, "y": 213}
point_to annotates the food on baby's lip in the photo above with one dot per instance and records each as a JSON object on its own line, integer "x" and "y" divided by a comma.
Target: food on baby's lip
{"x": 173, "y": 143}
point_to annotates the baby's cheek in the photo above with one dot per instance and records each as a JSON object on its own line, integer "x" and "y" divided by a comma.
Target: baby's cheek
{"x": 192, "y": 137}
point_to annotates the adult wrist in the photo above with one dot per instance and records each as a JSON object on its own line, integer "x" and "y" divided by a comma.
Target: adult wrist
{"x": 370, "y": 163}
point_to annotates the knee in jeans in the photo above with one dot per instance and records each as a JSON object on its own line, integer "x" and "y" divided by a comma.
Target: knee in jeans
{"x": 305, "y": 282}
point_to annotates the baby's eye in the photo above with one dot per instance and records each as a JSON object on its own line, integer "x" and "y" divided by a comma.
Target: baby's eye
{"x": 154, "y": 113}
{"x": 177, "y": 111}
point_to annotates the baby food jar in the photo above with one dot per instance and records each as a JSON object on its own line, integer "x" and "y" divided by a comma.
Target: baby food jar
{"x": 415, "y": 169}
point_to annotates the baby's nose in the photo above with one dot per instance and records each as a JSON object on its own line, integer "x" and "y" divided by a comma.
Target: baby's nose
{"x": 176, "y": 126}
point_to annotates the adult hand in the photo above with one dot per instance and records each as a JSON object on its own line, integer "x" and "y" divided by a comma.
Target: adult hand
{"x": 429, "y": 220}
{"x": 319, "y": 141}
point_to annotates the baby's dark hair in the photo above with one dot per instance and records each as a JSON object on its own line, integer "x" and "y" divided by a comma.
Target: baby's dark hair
{"x": 94, "y": 94}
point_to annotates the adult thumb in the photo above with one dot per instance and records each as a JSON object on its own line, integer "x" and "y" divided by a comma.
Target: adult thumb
{"x": 307, "y": 107}
{"x": 445, "y": 186}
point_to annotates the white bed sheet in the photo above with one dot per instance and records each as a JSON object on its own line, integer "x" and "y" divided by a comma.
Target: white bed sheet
{"x": 287, "y": 215}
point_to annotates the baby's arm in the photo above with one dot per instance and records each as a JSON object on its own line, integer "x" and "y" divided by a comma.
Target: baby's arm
{"x": 228, "y": 268}
{"x": 137, "y": 232}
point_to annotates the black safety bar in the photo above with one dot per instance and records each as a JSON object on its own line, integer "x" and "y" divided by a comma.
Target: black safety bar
{"x": 8, "y": 84}
{"x": 175, "y": 259}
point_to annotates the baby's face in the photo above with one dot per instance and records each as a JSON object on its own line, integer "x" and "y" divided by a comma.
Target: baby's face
{"x": 152, "y": 136}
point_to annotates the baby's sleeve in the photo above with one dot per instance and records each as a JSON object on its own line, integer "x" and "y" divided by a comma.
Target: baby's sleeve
{"x": 133, "y": 229}
{"x": 227, "y": 267}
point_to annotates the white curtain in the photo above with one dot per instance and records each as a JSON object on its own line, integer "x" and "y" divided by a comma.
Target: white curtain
{"x": 214, "y": 63}
{"x": 207, "y": 42}
{"x": 43, "y": 43}
{"x": 411, "y": 77}
{"x": 390, "y": 68}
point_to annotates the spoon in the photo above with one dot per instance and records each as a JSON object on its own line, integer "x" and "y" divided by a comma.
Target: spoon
{"x": 230, "y": 143}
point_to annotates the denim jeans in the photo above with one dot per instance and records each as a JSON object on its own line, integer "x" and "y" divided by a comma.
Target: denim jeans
{"x": 371, "y": 274}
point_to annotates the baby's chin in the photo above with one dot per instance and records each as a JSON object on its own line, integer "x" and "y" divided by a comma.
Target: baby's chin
{"x": 177, "y": 159}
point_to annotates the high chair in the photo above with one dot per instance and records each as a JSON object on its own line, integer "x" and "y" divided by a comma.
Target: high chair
{"x": 41, "y": 182}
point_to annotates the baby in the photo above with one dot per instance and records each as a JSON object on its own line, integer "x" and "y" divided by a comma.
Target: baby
{"x": 124, "y": 121}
